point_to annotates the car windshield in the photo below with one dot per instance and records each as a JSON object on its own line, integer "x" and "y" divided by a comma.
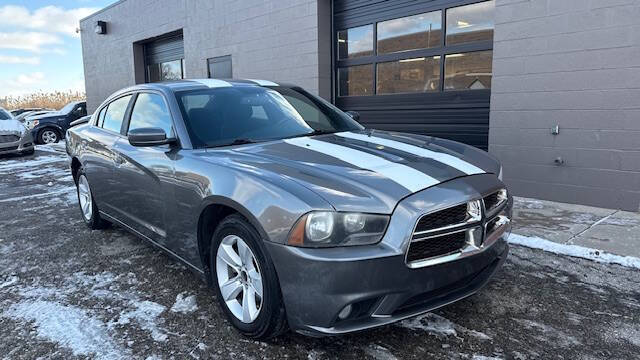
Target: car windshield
{"x": 67, "y": 108}
{"x": 243, "y": 114}
{"x": 5, "y": 115}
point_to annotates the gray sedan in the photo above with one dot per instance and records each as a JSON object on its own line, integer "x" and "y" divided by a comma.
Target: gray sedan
{"x": 295, "y": 214}
{"x": 14, "y": 136}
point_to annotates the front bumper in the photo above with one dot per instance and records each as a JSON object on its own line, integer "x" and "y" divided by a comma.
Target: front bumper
{"x": 317, "y": 284}
{"x": 22, "y": 145}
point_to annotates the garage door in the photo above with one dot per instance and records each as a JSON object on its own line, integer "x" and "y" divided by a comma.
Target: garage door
{"x": 164, "y": 58}
{"x": 416, "y": 66}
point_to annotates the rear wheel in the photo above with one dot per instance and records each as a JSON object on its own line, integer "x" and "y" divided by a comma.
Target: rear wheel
{"x": 48, "y": 136}
{"x": 245, "y": 280}
{"x": 88, "y": 207}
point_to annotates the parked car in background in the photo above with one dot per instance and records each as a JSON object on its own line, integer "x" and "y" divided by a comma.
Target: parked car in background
{"x": 14, "y": 136}
{"x": 17, "y": 112}
{"x": 51, "y": 127}
{"x": 22, "y": 117}
{"x": 282, "y": 201}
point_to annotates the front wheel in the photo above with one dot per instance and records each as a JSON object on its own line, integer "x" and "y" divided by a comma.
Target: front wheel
{"x": 88, "y": 207}
{"x": 48, "y": 136}
{"x": 247, "y": 285}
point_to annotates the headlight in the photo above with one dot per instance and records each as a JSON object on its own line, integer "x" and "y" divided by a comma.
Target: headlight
{"x": 32, "y": 124}
{"x": 330, "y": 229}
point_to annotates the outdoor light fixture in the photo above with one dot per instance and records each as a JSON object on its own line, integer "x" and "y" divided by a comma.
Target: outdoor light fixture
{"x": 100, "y": 27}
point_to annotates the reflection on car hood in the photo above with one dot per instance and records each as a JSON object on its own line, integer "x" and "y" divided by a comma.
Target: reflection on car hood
{"x": 45, "y": 116}
{"x": 8, "y": 127}
{"x": 367, "y": 171}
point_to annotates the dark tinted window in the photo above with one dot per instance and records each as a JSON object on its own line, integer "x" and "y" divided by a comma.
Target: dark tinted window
{"x": 150, "y": 110}
{"x": 220, "y": 67}
{"x": 409, "y": 75}
{"x": 4, "y": 115}
{"x": 115, "y": 114}
{"x": 468, "y": 71}
{"x": 217, "y": 117}
{"x": 470, "y": 23}
{"x": 355, "y": 80}
{"x": 355, "y": 42}
{"x": 420, "y": 31}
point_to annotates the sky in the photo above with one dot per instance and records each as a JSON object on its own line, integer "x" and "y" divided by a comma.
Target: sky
{"x": 39, "y": 46}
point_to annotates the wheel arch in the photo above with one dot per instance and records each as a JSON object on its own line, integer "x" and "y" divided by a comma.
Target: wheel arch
{"x": 75, "y": 168}
{"x": 213, "y": 210}
{"x": 52, "y": 126}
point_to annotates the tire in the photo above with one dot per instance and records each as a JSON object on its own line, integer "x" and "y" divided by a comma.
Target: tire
{"x": 48, "y": 136}
{"x": 235, "y": 233}
{"x": 88, "y": 208}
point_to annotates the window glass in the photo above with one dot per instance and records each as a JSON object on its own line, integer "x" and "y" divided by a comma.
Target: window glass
{"x": 171, "y": 70}
{"x": 230, "y": 113}
{"x": 4, "y": 115}
{"x": 470, "y": 23}
{"x": 468, "y": 71}
{"x": 82, "y": 110}
{"x": 355, "y": 80}
{"x": 409, "y": 75}
{"x": 220, "y": 67}
{"x": 150, "y": 110}
{"x": 420, "y": 31}
{"x": 115, "y": 114}
{"x": 355, "y": 42}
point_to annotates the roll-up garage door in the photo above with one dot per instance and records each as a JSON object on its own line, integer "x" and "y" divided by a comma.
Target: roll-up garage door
{"x": 164, "y": 58}
{"x": 420, "y": 66}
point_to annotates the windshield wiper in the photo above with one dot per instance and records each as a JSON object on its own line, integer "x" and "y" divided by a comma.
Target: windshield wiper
{"x": 320, "y": 132}
{"x": 238, "y": 141}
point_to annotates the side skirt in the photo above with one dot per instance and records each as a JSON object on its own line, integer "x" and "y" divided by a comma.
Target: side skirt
{"x": 192, "y": 267}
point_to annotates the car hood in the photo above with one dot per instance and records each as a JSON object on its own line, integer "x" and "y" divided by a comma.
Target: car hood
{"x": 365, "y": 171}
{"x": 11, "y": 127}
{"x": 46, "y": 116}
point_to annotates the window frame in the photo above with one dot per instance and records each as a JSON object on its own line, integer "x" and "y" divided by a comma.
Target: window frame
{"x": 127, "y": 112}
{"x": 442, "y": 50}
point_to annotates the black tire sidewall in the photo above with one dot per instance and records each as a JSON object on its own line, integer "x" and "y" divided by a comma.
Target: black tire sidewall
{"x": 272, "y": 298}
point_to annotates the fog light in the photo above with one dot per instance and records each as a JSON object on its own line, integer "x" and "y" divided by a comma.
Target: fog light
{"x": 345, "y": 312}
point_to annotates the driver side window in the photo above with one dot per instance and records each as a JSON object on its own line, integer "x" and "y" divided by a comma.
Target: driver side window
{"x": 150, "y": 110}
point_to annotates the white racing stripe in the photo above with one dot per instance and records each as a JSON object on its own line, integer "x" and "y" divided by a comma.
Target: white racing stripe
{"x": 446, "y": 159}
{"x": 263, "y": 82}
{"x": 406, "y": 176}
{"x": 212, "y": 83}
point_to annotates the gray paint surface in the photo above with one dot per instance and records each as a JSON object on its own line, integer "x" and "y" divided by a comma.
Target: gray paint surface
{"x": 573, "y": 64}
{"x": 282, "y": 40}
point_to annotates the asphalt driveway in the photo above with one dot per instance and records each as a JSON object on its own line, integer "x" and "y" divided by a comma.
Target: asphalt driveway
{"x": 66, "y": 292}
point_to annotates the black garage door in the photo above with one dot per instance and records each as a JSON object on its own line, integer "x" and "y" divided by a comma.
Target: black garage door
{"x": 391, "y": 56}
{"x": 164, "y": 58}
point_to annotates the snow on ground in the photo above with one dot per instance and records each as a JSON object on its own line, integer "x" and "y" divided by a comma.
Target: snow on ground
{"x": 440, "y": 326}
{"x": 574, "y": 250}
{"x": 184, "y": 304}
{"x": 379, "y": 352}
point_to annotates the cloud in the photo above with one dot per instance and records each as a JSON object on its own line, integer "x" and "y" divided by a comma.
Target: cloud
{"x": 22, "y": 84}
{"x": 22, "y": 60}
{"x": 30, "y": 41}
{"x": 52, "y": 19}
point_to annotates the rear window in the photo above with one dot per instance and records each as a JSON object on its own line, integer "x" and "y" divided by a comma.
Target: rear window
{"x": 4, "y": 115}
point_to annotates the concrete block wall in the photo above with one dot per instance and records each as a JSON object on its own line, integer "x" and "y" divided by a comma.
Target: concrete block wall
{"x": 574, "y": 64}
{"x": 275, "y": 40}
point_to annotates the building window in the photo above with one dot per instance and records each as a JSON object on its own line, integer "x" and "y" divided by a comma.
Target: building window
{"x": 220, "y": 67}
{"x": 420, "y": 31}
{"x": 470, "y": 23}
{"x": 468, "y": 71}
{"x": 408, "y": 75}
{"x": 355, "y": 80}
{"x": 170, "y": 70}
{"x": 355, "y": 42}
{"x": 415, "y": 54}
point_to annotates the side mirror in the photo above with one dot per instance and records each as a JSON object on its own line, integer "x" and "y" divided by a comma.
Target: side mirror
{"x": 148, "y": 137}
{"x": 354, "y": 115}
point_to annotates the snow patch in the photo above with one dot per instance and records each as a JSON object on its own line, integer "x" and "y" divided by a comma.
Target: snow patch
{"x": 184, "y": 304}
{"x": 10, "y": 282}
{"x": 146, "y": 315}
{"x": 379, "y": 352}
{"x": 431, "y": 323}
{"x": 574, "y": 251}
{"x": 70, "y": 327}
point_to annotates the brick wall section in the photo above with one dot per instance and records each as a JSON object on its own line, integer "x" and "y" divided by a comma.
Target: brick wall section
{"x": 274, "y": 40}
{"x": 575, "y": 64}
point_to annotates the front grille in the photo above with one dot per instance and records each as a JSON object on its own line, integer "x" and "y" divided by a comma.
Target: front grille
{"x": 9, "y": 138}
{"x": 442, "y": 218}
{"x": 436, "y": 246}
{"x": 491, "y": 225}
{"x": 494, "y": 201}
{"x": 10, "y": 148}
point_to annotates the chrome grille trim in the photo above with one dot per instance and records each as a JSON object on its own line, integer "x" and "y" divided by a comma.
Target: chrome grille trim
{"x": 495, "y": 204}
{"x": 470, "y": 220}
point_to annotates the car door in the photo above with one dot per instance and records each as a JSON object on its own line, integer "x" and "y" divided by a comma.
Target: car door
{"x": 146, "y": 173}
{"x": 99, "y": 159}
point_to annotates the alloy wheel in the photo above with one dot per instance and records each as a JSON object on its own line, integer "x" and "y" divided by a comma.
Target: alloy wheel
{"x": 239, "y": 278}
{"x": 84, "y": 197}
{"x": 49, "y": 137}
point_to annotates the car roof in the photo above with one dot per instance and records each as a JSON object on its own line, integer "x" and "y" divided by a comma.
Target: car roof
{"x": 196, "y": 84}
